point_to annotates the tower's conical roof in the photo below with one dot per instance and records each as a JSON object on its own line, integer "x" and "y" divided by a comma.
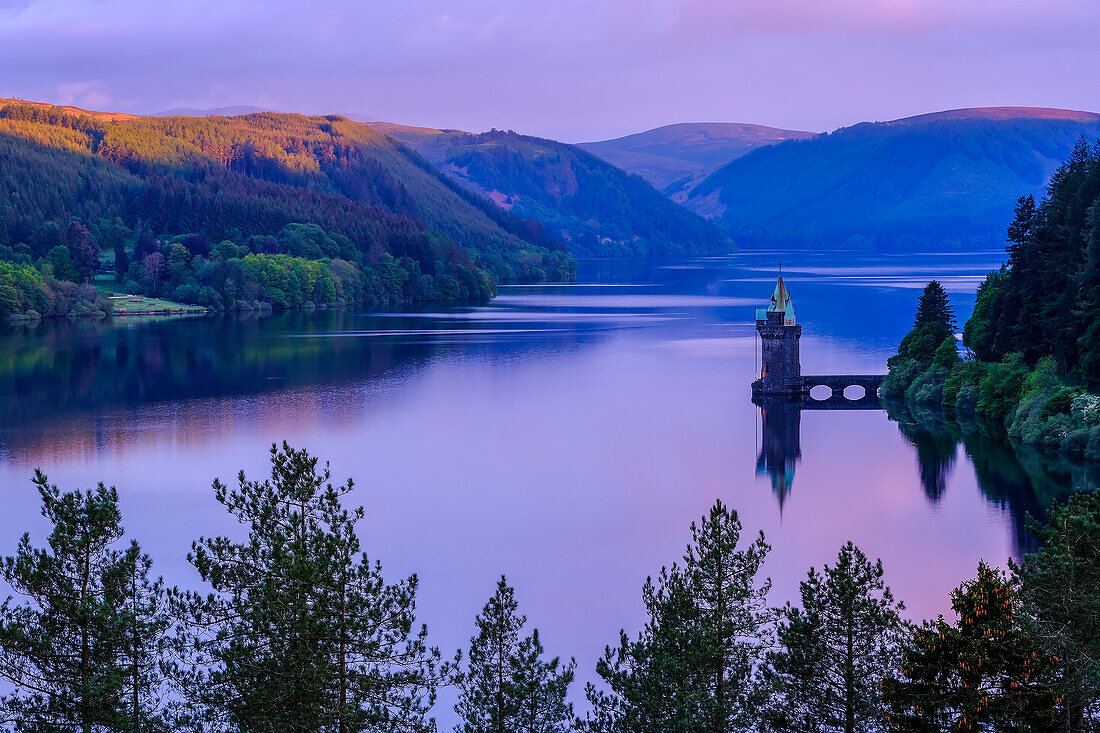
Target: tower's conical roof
{"x": 781, "y": 301}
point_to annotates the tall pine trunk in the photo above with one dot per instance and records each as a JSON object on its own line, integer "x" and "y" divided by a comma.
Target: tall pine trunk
{"x": 85, "y": 641}
{"x": 720, "y": 682}
{"x": 849, "y": 677}
{"x": 135, "y": 721}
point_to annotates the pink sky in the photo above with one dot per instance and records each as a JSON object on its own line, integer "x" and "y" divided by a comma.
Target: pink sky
{"x": 569, "y": 69}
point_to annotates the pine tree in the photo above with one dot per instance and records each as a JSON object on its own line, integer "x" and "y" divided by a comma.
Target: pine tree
{"x": 301, "y": 632}
{"x": 144, "y": 627}
{"x": 835, "y": 650}
{"x": 980, "y": 674}
{"x": 1060, "y": 589}
{"x": 694, "y": 665}
{"x": 1022, "y": 226}
{"x": 935, "y": 308}
{"x": 508, "y": 687}
{"x": 84, "y": 251}
{"x": 83, "y": 652}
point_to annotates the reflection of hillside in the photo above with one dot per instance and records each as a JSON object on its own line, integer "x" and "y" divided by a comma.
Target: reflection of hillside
{"x": 71, "y": 387}
{"x": 1019, "y": 479}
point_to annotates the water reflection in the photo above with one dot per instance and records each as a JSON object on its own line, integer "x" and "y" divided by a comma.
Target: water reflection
{"x": 564, "y": 435}
{"x": 780, "y": 446}
{"x": 1023, "y": 480}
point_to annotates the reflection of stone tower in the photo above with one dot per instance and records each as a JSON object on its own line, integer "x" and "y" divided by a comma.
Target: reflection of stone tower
{"x": 780, "y": 368}
{"x": 781, "y": 449}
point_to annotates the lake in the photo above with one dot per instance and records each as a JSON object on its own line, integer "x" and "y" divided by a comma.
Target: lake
{"x": 565, "y": 435}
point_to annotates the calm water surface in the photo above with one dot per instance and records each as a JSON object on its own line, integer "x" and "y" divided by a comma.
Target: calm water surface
{"x": 563, "y": 435}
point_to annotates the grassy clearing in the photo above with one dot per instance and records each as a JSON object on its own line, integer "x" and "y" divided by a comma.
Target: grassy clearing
{"x": 126, "y": 304}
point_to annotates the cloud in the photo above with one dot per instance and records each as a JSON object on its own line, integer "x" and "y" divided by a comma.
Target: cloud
{"x": 86, "y": 94}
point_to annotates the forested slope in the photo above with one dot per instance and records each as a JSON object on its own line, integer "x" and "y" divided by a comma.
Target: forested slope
{"x": 312, "y": 188}
{"x": 944, "y": 180}
{"x": 1035, "y": 330}
{"x": 595, "y": 207}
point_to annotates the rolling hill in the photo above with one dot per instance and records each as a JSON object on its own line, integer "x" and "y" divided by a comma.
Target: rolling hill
{"x": 941, "y": 180}
{"x": 596, "y": 208}
{"x": 667, "y": 154}
{"x": 246, "y": 179}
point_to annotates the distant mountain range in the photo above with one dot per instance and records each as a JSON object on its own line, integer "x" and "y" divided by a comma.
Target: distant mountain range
{"x": 596, "y": 208}
{"x": 941, "y": 180}
{"x": 667, "y": 154}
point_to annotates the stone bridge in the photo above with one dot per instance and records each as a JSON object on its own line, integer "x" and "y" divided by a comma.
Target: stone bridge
{"x": 838, "y": 383}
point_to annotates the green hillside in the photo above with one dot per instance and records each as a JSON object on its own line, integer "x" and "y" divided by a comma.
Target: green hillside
{"x": 321, "y": 190}
{"x": 666, "y": 154}
{"x": 945, "y": 180}
{"x": 593, "y": 206}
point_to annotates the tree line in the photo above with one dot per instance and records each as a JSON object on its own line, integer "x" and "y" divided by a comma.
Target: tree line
{"x": 80, "y": 190}
{"x": 297, "y": 629}
{"x": 1033, "y": 341}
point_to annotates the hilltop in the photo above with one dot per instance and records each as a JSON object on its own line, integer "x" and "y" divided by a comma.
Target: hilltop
{"x": 666, "y": 154}
{"x": 941, "y": 180}
{"x": 596, "y": 208}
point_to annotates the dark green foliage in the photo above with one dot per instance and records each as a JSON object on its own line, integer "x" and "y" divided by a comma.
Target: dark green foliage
{"x": 934, "y": 307}
{"x": 1032, "y": 327}
{"x": 596, "y": 208}
{"x": 979, "y": 331}
{"x": 947, "y": 354}
{"x": 1060, "y": 590}
{"x": 74, "y": 181}
{"x": 26, "y": 291}
{"x": 835, "y": 650}
{"x": 945, "y": 180}
{"x": 981, "y": 673}
{"x": 1045, "y": 301}
{"x": 1000, "y": 387}
{"x": 83, "y": 650}
{"x": 84, "y": 251}
{"x": 933, "y": 330}
{"x": 693, "y": 667}
{"x": 508, "y": 687}
{"x": 301, "y": 632}
{"x": 965, "y": 375}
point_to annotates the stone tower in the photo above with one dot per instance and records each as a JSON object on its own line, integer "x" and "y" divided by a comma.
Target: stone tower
{"x": 780, "y": 368}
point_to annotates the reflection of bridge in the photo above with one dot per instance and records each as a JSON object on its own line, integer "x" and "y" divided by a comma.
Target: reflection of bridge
{"x": 781, "y": 427}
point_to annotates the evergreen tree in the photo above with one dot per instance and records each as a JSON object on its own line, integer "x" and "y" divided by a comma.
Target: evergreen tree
{"x": 116, "y": 233}
{"x": 83, "y": 652}
{"x": 1045, "y": 302}
{"x": 933, "y": 326}
{"x": 84, "y": 251}
{"x": 301, "y": 632}
{"x": 980, "y": 674}
{"x": 1061, "y": 601}
{"x": 693, "y": 666}
{"x": 145, "y": 643}
{"x": 1023, "y": 223}
{"x": 835, "y": 650}
{"x": 935, "y": 308}
{"x": 508, "y": 687}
